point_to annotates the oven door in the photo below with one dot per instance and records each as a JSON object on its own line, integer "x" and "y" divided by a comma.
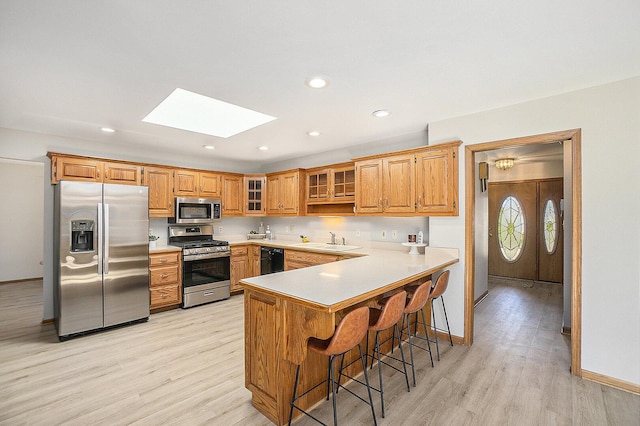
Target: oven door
{"x": 205, "y": 279}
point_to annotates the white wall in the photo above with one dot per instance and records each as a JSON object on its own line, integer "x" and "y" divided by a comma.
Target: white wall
{"x": 609, "y": 116}
{"x": 22, "y": 219}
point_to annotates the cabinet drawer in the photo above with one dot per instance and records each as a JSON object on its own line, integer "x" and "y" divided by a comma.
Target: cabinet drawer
{"x": 165, "y": 295}
{"x": 164, "y": 259}
{"x": 310, "y": 258}
{"x": 240, "y": 251}
{"x": 165, "y": 275}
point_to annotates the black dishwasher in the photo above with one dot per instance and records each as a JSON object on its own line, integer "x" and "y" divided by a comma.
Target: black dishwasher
{"x": 271, "y": 260}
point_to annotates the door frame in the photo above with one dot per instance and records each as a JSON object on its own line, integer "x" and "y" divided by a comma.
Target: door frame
{"x": 574, "y": 136}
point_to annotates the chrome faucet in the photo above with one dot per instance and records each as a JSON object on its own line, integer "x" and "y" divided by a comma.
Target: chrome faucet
{"x": 344, "y": 242}
{"x": 333, "y": 238}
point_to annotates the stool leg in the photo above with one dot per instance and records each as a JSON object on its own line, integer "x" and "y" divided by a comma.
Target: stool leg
{"x": 446, "y": 319}
{"x": 377, "y": 350}
{"x": 413, "y": 369}
{"x": 427, "y": 338}
{"x": 366, "y": 379}
{"x": 295, "y": 389}
{"x": 333, "y": 390}
{"x": 404, "y": 364}
{"x": 435, "y": 329}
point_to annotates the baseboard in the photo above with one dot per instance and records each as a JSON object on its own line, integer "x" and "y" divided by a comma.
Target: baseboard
{"x": 610, "y": 381}
{"x": 566, "y": 331}
{"x": 481, "y": 298}
{"x": 47, "y": 321}
{"x": 23, "y": 280}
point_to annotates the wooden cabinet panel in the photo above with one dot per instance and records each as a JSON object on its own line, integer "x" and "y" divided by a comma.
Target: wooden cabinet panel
{"x": 185, "y": 183}
{"x": 295, "y": 259}
{"x": 122, "y": 173}
{"x": 232, "y": 200}
{"x": 78, "y": 169}
{"x": 255, "y": 195}
{"x": 210, "y": 185}
{"x": 254, "y": 258}
{"x": 160, "y": 183}
{"x": 398, "y": 185}
{"x": 241, "y": 266}
{"x": 330, "y": 190}
{"x": 369, "y": 186}
{"x": 165, "y": 283}
{"x": 437, "y": 181}
{"x": 283, "y": 193}
{"x": 261, "y": 337}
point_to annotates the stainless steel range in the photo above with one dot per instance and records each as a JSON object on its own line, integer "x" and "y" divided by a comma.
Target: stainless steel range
{"x": 205, "y": 264}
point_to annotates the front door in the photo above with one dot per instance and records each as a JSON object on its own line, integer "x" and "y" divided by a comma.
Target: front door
{"x": 525, "y": 232}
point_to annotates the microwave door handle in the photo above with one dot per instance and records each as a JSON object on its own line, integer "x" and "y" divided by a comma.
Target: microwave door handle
{"x": 100, "y": 237}
{"x": 106, "y": 239}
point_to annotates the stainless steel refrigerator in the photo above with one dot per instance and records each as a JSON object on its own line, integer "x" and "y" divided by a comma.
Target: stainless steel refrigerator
{"x": 102, "y": 256}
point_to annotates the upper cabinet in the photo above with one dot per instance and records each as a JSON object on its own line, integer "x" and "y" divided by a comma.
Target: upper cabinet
{"x": 160, "y": 183}
{"x": 255, "y": 195}
{"x": 66, "y": 167}
{"x": 193, "y": 183}
{"x": 330, "y": 189}
{"x": 423, "y": 181}
{"x": 284, "y": 193}
{"x": 232, "y": 199}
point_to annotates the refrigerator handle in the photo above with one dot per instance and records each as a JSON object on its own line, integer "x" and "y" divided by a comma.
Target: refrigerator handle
{"x": 105, "y": 266}
{"x": 100, "y": 238}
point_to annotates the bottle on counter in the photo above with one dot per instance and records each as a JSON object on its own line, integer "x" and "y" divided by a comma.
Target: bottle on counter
{"x": 261, "y": 228}
{"x": 420, "y": 238}
{"x": 268, "y": 234}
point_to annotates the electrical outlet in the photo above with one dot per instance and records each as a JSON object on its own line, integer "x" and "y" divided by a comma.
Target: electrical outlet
{"x": 357, "y": 232}
{"x": 394, "y": 234}
{"x": 383, "y": 234}
{"x": 220, "y": 229}
{"x": 286, "y": 228}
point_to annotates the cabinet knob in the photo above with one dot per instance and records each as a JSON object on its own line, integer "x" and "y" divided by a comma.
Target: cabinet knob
{"x": 164, "y": 260}
{"x": 164, "y": 295}
{"x": 163, "y": 276}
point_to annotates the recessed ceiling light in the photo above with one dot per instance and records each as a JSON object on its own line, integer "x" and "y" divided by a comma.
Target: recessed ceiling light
{"x": 313, "y": 133}
{"x": 263, "y": 148}
{"x": 317, "y": 82}
{"x": 107, "y": 129}
{"x": 208, "y": 147}
{"x": 197, "y": 113}
{"x": 381, "y": 113}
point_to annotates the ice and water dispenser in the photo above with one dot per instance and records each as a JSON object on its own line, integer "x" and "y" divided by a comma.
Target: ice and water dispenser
{"x": 82, "y": 235}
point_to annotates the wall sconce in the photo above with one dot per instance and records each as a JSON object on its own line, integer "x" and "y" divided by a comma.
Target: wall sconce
{"x": 504, "y": 163}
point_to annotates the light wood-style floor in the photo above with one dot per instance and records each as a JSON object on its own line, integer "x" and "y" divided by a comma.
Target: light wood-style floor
{"x": 186, "y": 367}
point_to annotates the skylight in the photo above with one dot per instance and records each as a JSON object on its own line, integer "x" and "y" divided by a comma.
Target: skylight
{"x": 198, "y": 113}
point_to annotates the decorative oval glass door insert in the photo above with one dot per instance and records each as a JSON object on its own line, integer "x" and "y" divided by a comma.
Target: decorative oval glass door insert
{"x": 550, "y": 223}
{"x": 511, "y": 228}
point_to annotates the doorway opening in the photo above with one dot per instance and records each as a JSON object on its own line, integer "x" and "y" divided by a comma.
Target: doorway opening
{"x": 573, "y": 139}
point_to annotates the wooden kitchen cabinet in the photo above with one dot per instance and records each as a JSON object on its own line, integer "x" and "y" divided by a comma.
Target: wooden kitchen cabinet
{"x": 284, "y": 193}
{"x": 254, "y": 259}
{"x": 295, "y": 259}
{"x": 192, "y": 183}
{"x": 240, "y": 266}
{"x": 255, "y": 189}
{"x": 68, "y": 167}
{"x": 232, "y": 199}
{"x": 437, "y": 181}
{"x": 330, "y": 190}
{"x": 160, "y": 183}
{"x": 165, "y": 283}
{"x": 414, "y": 182}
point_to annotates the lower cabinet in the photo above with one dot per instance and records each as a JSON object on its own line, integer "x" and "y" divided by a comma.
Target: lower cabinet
{"x": 294, "y": 259}
{"x": 165, "y": 283}
{"x": 241, "y": 266}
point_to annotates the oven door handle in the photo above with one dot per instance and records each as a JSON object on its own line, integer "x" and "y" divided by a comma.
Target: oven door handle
{"x": 203, "y": 256}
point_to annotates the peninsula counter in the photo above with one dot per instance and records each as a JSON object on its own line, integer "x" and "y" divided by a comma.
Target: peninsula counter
{"x": 283, "y": 310}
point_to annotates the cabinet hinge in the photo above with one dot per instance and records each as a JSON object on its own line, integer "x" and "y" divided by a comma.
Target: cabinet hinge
{"x": 454, "y": 155}
{"x": 454, "y": 204}
{"x": 55, "y": 169}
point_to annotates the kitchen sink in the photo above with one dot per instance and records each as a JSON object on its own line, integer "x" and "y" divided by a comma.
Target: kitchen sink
{"x": 326, "y": 246}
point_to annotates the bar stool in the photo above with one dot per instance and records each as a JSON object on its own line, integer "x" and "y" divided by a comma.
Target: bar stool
{"x": 349, "y": 333}
{"x": 437, "y": 292}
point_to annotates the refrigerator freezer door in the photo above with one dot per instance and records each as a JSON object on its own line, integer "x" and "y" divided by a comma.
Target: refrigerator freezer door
{"x": 126, "y": 269}
{"x": 79, "y": 287}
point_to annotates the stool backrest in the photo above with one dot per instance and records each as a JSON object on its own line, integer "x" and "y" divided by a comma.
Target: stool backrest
{"x": 349, "y": 332}
{"x": 441, "y": 285}
{"x": 392, "y": 311}
{"x": 419, "y": 298}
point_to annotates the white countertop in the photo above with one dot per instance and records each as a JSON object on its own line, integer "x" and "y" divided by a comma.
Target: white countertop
{"x": 334, "y": 283}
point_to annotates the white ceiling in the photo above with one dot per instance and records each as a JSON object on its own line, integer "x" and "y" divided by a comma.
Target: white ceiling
{"x": 68, "y": 67}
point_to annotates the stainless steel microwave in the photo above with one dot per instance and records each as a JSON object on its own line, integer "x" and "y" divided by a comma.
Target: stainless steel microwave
{"x": 197, "y": 210}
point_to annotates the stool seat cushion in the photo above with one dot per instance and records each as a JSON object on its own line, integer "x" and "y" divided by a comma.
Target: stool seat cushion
{"x": 349, "y": 332}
